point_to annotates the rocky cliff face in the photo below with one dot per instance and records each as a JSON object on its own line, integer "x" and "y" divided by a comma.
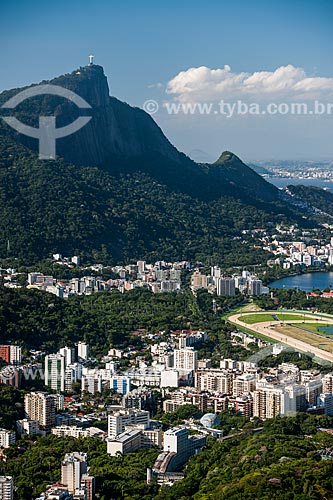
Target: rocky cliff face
{"x": 116, "y": 130}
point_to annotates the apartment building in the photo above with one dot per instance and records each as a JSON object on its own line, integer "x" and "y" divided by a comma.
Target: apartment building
{"x": 6, "y": 488}
{"x": 55, "y": 365}
{"x": 119, "y": 420}
{"x": 327, "y": 382}
{"x": 244, "y": 384}
{"x": 73, "y": 467}
{"x": 214, "y": 380}
{"x": 185, "y": 359}
{"x": 6, "y": 438}
{"x": 41, "y": 407}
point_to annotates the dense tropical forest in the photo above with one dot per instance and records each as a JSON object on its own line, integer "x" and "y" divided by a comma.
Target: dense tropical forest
{"x": 41, "y": 320}
{"x": 115, "y": 217}
{"x": 56, "y": 207}
{"x": 315, "y": 196}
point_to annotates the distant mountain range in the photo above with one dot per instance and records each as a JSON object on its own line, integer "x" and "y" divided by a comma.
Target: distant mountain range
{"x": 120, "y": 190}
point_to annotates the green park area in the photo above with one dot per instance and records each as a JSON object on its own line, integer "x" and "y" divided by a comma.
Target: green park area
{"x": 313, "y": 329}
{"x": 253, "y": 318}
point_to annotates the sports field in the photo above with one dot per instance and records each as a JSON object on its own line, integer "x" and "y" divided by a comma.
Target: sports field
{"x": 253, "y": 318}
{"x": 298, "y": 329}
{"x": 314, "y": 327}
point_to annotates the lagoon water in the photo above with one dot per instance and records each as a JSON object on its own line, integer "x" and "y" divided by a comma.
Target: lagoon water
{"x": 282, "y": 182}
{"x": 306, "y": 282}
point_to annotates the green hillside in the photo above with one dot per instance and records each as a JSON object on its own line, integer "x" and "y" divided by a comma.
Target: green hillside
{"x": 53, "y": 206}
{"x": 314, "y": 196}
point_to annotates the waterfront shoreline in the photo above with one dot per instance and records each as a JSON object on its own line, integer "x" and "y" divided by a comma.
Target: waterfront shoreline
{"x": 305, "y": 281}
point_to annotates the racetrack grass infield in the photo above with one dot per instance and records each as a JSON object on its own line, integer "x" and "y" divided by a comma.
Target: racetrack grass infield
{"x": 251, "y": 319}
{"x": 313, "y": 339}
{"x": 314, "y": 327}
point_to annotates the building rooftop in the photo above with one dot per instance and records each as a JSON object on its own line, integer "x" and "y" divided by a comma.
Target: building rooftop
{"x": 125, "y": 436}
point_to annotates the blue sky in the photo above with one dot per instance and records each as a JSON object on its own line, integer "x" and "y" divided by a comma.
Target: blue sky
{"x": 144, "y": 43}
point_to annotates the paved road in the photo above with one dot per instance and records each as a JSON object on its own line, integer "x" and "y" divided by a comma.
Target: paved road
{"x": 266, "y": 328}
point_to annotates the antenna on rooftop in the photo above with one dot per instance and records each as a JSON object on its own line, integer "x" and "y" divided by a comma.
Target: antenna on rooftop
{"x": 214, "y": 306}
{"x": 91, "y": 60}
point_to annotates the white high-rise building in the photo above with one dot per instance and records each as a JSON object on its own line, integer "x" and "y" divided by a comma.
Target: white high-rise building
{"x": 6, "y": 439}
{"x": 15, "y": 354}
{"x": 68, "y": 353}
{"x": 225, "y": 286}
{"x": 295, "y": 399}
{"x": 6, "y": 488}
{"x": 70, "y": 378}
{"x": 91, "y": 383}
{"x": 244, "y": 384}
{"x": 177, "y": 441}
{"x": 185, "y": 359}
{"x": 73, "y": 373}
{"x": 118, "y": 420}
{"x": 255, "y": 286}
{"x": 82, "y": 350}
{"x": 215, "y": 271}
{"x": 55, "y": 365}
{"x": 73, "y": 467}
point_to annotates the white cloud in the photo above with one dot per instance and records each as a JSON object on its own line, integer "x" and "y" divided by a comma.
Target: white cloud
{"x": 315, "y": 83}
{"x": 158, "y": 85}
{"x": 280, "y": 80}
{"x": 203, "y": 84}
